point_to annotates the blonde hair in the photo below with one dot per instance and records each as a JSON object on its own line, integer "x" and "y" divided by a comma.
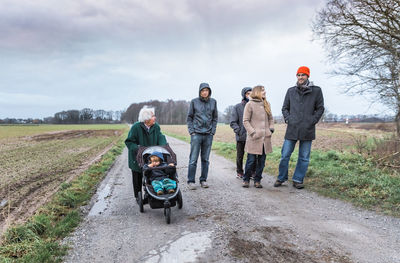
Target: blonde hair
{"x": 256, "y": 93}
{"x": 154, "y": 158}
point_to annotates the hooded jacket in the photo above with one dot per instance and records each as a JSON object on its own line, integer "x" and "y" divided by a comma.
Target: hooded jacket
{"x": 202, "y": 116}
{"x": 236, "y": 121}
{"x": 301, "y": 110}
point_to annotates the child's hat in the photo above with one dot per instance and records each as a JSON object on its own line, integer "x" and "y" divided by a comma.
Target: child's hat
{"x": 158, "y": 154}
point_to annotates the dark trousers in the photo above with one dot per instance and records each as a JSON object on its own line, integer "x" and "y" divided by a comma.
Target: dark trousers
{"x": 239, "y": 158}
{"x": 137, "y": 182}
{"x": 254, "y": 160}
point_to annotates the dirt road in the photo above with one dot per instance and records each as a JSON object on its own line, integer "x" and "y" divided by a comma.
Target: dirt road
{"x": 228, "y": 223}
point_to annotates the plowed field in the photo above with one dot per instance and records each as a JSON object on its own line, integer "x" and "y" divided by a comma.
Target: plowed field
{"x": 33, "y": 167}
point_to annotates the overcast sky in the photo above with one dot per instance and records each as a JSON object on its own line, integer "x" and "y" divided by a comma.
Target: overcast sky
{"x": 100, "y": 54}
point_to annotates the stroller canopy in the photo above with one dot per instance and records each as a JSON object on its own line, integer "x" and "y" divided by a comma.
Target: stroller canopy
{"x": 144, "y": 152}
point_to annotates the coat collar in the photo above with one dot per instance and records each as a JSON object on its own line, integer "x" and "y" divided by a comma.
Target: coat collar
{"x": 145, "y": 128}
{"x": 255, "y": 100}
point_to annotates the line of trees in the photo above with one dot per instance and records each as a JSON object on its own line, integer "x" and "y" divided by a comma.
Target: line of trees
{"x": 167, "y": 112}
{"x": 84, "y": 116}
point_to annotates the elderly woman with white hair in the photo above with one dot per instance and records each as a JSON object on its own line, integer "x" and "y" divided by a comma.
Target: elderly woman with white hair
{"x": 144, "y": 132}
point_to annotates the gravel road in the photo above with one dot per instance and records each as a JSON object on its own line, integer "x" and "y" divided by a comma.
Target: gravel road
{"x": 228, "y": 223}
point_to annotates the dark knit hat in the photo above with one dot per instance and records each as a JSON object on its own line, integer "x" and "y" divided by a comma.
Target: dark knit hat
{"x": 304, "y": 70}
{"x": 158, "y": 154}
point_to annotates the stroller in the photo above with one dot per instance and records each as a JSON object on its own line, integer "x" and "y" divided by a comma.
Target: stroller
{"x": 149, "y": 196}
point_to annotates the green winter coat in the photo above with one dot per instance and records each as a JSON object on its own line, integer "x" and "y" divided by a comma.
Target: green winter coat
{"x": 140, "y": 136}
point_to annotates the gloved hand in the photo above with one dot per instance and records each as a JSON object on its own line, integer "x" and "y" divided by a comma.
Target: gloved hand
{"x": 272, "y": 130}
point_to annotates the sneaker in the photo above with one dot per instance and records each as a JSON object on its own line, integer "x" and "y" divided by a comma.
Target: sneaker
{"x": 192, "y": 186}
{"x": 298, "y": 185}
{"x": 160, "y": 192}
{"x": 278, "y": 183}
{"x": 204, "y": 184}
{"x": 245, "y": 184}
{"x": 171, "y": 191}
{"x": 252, "y": 176}
{"x": 239, "y": 176}
{"x": 258, "y": 185}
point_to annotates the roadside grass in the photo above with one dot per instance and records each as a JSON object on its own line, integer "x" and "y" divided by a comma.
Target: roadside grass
{"x": 38, "y": 239}
{"x": 337, "y": 174}
{"x": 347, "y": 176}
{"x": 11, "y": 131}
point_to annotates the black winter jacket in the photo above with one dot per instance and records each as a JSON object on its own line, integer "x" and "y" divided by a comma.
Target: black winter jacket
{"x": 202, "y": 116}
{"x": 160, "y": 172}
{"x": 236, "y": 121}
{"x": 301, "y": 111}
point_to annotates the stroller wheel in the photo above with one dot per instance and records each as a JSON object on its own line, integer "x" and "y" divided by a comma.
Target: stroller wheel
{"x": 180, "y": 201}
{"x": 167, "y": 213}
{"x": 140, "y": 202}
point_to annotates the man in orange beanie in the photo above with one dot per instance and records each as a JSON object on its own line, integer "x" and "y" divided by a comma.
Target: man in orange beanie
{"x": 302, "y": 108}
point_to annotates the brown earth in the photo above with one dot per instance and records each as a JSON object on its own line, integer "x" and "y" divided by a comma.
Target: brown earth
{"x": 20, "y": 199}
{"x": 277, "y": 247}
{"x": 64, "y": 135}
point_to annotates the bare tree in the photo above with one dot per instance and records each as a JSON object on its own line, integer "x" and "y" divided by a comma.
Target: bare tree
{"x": 362, "y": 37}
{"x": 86, "y": 115}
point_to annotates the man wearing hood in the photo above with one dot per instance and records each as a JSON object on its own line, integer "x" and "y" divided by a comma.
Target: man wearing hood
{"x": 202, "y": 121}
{"x": 302, "y": 109}
{"x": 236, "y": 124}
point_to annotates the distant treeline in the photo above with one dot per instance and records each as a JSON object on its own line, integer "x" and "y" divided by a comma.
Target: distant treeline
{"x": 167, "y": 112}
{"x": 84, "y": 116}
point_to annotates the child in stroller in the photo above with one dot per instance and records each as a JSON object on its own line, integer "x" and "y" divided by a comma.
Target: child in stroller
{"x": 151, "y": 193}
{"x": 160, "y": 179}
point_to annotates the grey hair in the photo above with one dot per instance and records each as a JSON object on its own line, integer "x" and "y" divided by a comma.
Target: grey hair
{"x": 146, "y": 113}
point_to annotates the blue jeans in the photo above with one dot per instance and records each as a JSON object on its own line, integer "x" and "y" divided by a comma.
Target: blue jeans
{"x": 302, "y": 161}
{"x": 199, "y": 142}
{"x": 254, "y": 160}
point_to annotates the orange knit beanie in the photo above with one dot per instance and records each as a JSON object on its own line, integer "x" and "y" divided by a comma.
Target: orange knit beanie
{"x": 304, "y": 70}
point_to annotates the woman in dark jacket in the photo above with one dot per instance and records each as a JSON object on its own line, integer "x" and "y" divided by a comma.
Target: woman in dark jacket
{"x": 144, "y": 132}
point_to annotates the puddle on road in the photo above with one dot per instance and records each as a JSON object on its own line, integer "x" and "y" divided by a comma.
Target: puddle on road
{"x": 185, "y": 249}
{"x": 102, "y": 200}
{"x": 339, "y": 226}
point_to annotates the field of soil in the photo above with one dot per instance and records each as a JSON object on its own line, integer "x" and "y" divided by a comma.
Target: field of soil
{"x": 33, "y": 167}
{"x": 331, "y": 136}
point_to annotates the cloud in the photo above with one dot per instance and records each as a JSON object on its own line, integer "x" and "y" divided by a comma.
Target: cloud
{"x": 107, "y": 54}
{"x": 48, "y": 25}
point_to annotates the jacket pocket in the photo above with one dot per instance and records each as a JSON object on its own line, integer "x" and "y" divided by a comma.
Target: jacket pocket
{"x": 258, "y": 134}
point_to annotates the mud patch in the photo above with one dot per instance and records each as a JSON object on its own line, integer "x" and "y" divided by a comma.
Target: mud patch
{"x": 65, "y": 135}
{"x": 273, "y": 244}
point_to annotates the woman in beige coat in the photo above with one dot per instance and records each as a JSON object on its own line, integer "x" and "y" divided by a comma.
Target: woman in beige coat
{"x": 259, "y": 124}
